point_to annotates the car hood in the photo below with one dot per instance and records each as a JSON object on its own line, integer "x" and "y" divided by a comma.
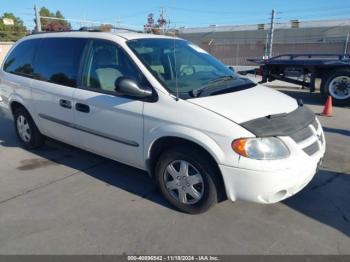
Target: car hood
{"x": 249, "y": 104}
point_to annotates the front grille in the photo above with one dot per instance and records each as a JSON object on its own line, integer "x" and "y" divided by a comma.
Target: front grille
{"x": 302, "y": 135}
{"x": 315, "y": 124}
{"x": 312, "y": 149}
{"x": 310, "y": 138}
{"x": 321, "y": 139}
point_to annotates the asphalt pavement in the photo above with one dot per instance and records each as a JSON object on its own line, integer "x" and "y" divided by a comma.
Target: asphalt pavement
{"x": 62, "y": 200}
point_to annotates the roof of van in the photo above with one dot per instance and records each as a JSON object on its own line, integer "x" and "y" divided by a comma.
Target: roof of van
{"x": 124, "y": 34}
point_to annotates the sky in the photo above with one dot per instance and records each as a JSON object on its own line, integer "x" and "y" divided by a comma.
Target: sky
{"x": 186, "y": 13}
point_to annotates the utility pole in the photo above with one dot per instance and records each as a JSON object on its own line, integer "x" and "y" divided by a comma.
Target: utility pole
{"x": 162, "y": 19}
{"x": 272, "y": 28}
{"x": 37, "y": 19}
{"x": 346, "y": 44}
{"x": 266, "y": 51}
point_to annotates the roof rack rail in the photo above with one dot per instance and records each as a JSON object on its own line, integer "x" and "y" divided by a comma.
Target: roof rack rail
{"x": 89, "y": 29}
{"x": 127, "y": 29}
{"x": 48, "y": 32}
{"x": 98, "y": 29}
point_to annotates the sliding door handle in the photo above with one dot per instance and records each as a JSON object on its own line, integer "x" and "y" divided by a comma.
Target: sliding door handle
{"x": 82, "y": 108}
{"x": 66, "y": 103}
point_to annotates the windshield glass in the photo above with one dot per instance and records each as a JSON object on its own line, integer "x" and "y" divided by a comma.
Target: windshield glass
{"x": 186, "y": 68}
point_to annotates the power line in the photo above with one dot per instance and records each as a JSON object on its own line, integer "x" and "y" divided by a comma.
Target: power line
{"x": 324, "y": 17}
{"x": 212, "y": 12}
{"x": 313, "y": 10}
{"x": 245, "y": 13}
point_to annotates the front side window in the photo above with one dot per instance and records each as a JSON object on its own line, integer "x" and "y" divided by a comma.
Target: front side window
{"x": 58, "y": 60}
{"x": 106, "y": 63}
{"x": 186, "y": 69}
{"x": 20, "y": 60}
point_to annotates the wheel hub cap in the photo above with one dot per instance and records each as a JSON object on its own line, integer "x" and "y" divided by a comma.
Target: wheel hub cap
{"x": 23, "y": 128}
{"x": 184, "y": 182}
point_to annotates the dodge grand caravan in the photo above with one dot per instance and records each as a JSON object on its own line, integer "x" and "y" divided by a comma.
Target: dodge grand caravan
{"x": 166, "y": 106}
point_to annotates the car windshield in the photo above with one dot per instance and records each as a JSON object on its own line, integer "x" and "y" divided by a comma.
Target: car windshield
{"x": 185, "y": 69}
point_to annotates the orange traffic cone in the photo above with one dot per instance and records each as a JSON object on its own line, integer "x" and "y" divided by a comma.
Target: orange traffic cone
{"x": 328, "y": 107}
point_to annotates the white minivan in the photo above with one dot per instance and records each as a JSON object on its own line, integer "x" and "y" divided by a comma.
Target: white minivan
{"x": 163, "y": 105}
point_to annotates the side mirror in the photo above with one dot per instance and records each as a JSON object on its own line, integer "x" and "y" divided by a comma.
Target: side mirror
{"x": 128, "y": 87}
{"x": 231, "y": 68}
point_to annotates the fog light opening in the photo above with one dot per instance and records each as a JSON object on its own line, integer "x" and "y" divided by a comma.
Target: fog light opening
{"x": 278, "y": 196}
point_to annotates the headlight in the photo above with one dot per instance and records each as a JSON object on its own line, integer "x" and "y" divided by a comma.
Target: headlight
{"x": 269, "y": 148}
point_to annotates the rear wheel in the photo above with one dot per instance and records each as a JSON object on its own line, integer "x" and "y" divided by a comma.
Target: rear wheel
{"x": 26, "y": 129}
{"x": 187, "y": 179}
{"x": 337, "y": 85}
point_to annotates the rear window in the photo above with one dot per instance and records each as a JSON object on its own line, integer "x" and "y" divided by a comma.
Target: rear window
{"x": 20, "y": 60}
{"x": 58, "y": 60}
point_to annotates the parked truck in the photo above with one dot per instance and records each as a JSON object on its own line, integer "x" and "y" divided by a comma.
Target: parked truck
{"x": 304, "y": 69}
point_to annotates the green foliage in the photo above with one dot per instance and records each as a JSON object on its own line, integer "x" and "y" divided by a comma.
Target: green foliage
{"x": 106, "y": 27}
{"x": 48, "y": 24}
{"x": 12, "y": 32}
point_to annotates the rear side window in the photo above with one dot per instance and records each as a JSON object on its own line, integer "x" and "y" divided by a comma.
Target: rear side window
{"x": 58, "y": 60}
{"x": 20, "y": 60}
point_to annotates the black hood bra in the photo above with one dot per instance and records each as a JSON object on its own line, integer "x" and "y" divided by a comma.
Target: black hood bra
{"x": 282, "y": 124}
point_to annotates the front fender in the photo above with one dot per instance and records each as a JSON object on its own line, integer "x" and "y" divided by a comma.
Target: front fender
{"x": 195, "y": 136}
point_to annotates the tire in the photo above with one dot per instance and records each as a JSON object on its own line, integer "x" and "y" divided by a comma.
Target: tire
{"x": 26, "y": 130}
{"x": 329, "y": 87}
{"x": 198, "y": 164}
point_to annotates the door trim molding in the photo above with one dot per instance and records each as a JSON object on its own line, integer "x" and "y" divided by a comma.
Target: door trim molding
{"x": 90, "y": 131}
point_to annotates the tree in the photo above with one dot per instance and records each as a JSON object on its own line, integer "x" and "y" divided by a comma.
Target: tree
{"x": 48, "y": 24}
{"x": 155, "y": 28}
{"x": 106, "y": 27}
{"x": 150, "y": 23}
{"x": 62, "y": 22}
{"x": 12, "y": 32}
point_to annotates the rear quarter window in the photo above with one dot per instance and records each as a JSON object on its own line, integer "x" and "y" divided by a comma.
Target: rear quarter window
{"x": 58, "y": 60}
{"x": 20, "y": 60}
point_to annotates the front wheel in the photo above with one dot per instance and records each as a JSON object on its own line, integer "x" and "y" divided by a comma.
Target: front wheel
{"x": 337, "y": 85}
{"x": 187, "y": 179}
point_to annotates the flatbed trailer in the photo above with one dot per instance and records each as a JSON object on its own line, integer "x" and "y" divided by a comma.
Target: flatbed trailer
{"x": 304, "y": 69}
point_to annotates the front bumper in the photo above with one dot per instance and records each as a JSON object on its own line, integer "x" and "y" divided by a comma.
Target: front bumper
{"x": 272, "y": 181}
{"x": 268, "y": 187}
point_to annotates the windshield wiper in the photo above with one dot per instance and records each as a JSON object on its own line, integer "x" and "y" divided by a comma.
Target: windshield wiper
{"x": 209, "y": 84}
{"x": 220, "y": 79}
